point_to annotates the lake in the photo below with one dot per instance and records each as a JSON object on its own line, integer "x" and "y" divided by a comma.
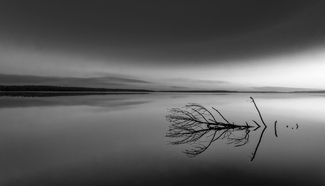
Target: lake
{"x": 127, "y": 140}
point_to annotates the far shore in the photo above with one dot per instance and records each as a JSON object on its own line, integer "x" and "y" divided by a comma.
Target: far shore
{"x": 46, "y": 89}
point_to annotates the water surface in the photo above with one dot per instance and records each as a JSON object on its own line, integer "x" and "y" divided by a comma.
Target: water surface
{"x": 121, "y": 139}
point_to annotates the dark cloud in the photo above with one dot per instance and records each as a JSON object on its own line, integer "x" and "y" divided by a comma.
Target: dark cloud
{"x": 150, "y": 32}
{"x": 111, "y": 81}
{"x": 105, "y": 82}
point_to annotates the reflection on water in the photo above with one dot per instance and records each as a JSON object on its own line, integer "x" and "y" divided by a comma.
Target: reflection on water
{"x": 194, "y": 122}
{"x": 121, "y": 140}
{"x": 114, "y": 100}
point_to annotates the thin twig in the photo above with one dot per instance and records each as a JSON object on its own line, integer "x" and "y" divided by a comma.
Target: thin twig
{"x": 258, "y": 111}
{"x": 201, "y": 115}
{"x": 256, "y": 123}
{"x": 211, "y": 115}
{"x": 221, "y": 115}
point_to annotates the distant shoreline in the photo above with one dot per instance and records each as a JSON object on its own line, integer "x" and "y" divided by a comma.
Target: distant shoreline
{"x": 46, "y": 89}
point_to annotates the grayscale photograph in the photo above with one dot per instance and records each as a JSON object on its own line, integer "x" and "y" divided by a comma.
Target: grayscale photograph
{"x": 162, "y": 92}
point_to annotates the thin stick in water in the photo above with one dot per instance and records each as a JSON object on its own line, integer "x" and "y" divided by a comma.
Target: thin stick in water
{"x": 258, "y": 111}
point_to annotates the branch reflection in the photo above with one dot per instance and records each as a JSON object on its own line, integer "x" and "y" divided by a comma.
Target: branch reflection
{"x": 197, "y": 126}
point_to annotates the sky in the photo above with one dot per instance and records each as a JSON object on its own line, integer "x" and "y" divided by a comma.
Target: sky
{"x": 164, "y": 45}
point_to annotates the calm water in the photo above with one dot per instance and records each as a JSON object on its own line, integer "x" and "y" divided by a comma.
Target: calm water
{"x": 121, "y": 140}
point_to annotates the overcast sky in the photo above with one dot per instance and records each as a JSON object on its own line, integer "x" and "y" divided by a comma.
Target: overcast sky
{"x": 230, "y": 44}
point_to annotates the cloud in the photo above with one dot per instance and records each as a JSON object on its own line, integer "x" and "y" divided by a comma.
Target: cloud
{"x": 143, "y": 34}
{"x": 104, "y": 82}
{"x": 197, "y": 84}
{"x": 119, "y": 79}
{"x": 282, "y": 89}
{"x": 189, "y": 80}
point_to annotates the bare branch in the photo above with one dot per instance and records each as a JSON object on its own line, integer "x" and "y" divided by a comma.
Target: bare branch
{"x": 259, "y": 113}
{"x": 221, "y": 115}
{"x": 256, "y": 123}
{"x": 194, "y": 123}
{"x": 201, "y": 115}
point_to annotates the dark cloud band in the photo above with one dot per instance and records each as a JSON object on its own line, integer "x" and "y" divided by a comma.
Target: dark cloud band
{"x": 172, "y": 32}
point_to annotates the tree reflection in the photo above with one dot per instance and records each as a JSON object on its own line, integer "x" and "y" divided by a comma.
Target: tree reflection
{"x": 197, "y": 126}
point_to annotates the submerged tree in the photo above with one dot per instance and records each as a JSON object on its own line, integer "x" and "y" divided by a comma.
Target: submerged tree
{"x": 193, "y": 122}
